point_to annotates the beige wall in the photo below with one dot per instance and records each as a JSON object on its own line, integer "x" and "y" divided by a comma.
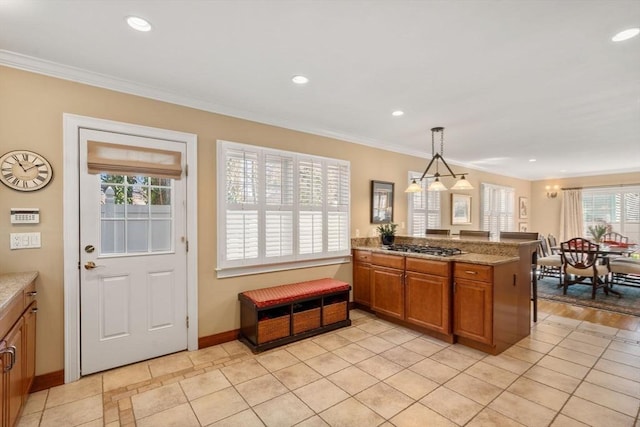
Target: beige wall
{"x": 31, "y": 108}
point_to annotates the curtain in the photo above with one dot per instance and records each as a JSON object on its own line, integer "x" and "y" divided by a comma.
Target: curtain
{"x": 571, "y": 216}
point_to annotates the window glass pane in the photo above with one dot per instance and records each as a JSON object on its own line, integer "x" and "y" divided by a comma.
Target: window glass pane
{"x": 160, "y": 235}
{"x": 242, "y": 235}
{"x": 137, "y": 236}
{"x": 164, "y": 182}
{"x": 310, "y": 232}
{"x": 112, "y": 201}
{"x": 112, "y": 237}
{"x": 160, "y": 202}
{"x": 278, "y": 234}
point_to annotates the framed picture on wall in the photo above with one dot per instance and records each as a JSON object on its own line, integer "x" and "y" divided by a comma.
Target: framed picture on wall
{"x": 523, "y": 207}
{"x": 381, "y": 202}
{"x": 523, "y": 226}
{"x": 460, "y": 209}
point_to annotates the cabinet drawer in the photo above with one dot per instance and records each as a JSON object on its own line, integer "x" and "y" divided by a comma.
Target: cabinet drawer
{"x": 362, "y": 256}
{"x": 384, "y": 260}
{"x": 427, "y": 266}
{"x": 483, "y": 273}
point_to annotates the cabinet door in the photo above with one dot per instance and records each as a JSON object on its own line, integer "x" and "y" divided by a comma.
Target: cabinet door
{"x": 428, "y": 301}
{"x": 362, "y": 283}
{"x": 473, "y": 310}
{"x": 29, "y": 353}
{"x": 14, "y": 377}
{"x": 387, "y": 287}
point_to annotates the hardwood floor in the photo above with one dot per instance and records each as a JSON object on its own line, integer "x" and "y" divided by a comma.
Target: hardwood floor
{"x": 607, "y": 318}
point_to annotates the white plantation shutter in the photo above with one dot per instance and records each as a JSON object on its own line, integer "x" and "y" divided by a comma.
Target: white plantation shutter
{"x": 497, "y": 208}
{"x": 424, "y": 207}
{"x": 618, "y": 207}
{"x": 280, "y": 207}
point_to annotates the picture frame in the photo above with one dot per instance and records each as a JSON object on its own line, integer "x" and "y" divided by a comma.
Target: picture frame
{"x": 460, "y": 209}
{"x": 523, "y": 227}
{"x": 523, "y": 208}
{"x": 382, "y": 202}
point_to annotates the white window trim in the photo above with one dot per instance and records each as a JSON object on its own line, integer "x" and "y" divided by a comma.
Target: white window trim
{"x": 509, "y": 215}
{"x": 427, "y": 195}
{"x": 261, "y": 264}
{"x": 625, "y": 226}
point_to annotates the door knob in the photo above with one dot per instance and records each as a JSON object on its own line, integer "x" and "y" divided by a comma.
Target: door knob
{"x": 90, "y": 265}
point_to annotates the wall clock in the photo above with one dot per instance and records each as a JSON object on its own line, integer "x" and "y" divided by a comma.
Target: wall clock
{"x": 24, "y": 170}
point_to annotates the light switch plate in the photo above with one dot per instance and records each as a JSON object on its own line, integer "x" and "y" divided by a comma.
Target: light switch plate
{"x": 24, "y": 240}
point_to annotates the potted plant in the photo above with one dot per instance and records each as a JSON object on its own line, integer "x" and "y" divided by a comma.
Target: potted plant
{"x": 387, "y": 233}
{"x": 597, "y": 231}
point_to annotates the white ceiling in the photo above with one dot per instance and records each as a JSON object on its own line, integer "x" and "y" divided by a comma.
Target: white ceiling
{"x": 510, "y": 80}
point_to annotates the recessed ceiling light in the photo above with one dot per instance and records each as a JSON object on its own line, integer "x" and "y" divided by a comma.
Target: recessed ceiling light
{"x": 626, "y": 34}
{"x": 138, "y": 24}
{"x": 398, "y": 113}
{"x": 532, "y": 160}
{"x": 300, "y": 80}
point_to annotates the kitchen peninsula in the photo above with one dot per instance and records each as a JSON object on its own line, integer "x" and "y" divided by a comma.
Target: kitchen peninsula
{"x": 479, "y": 297}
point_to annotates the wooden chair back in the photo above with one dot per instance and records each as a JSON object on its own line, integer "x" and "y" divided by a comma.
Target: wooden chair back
{"x": 580, "y": 253}
{"x": 614, "y": 237}
{"x": 438, "y": 231}
{"x": 474, "y": 233}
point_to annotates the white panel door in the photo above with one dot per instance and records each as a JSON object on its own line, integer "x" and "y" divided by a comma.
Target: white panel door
{"x": 133, "y": 280}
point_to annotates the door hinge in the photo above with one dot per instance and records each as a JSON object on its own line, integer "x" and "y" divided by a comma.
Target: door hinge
{"x": 186, "y": 170}
{"x": 78, "y": 265}
{"x": 187, "y": 322}
{"x": 187, "y": 245}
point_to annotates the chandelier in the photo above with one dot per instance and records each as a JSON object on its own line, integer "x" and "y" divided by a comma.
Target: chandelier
{"x": 436, "y": 185}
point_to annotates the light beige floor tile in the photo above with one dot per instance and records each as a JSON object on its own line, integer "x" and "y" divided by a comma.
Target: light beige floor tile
{"x": 611, "y": 399}
{"x": 571, "y": 323}
{"x": 451, "y": 405}
{"x": 545, "y": 337}
{"x": 94, "y": 423}
{"x": 351, "y": 413}
{"x": 360, "y": 314}
{"x": 491, "y": 373}
{"x": 490, "y": 418}
{"x": 352, "y": 380}
{"x": 413, "y": 385}
{"x": 321, "y": 394}
{"x": 384, "y": 400}
{"x": 453, "y": 359}
{"x": 125, "y": 376}
{"x": 506, "y": 362}
{"x": 618, "y": 369}
{"x": 624, "y": 347}
{"x": 376, "y": 344}
{"x": 468, "y": 351}
{"x": 243, "y": 371}
{"x": 170, "y": 364}
{"x": 375, "y": 327}
{"x": 246, "y": 418}
{"x": 629, "y": 335}
{"x": 84, "y": 387}
{"x": 314, "y": 421}
{"x": 522, "y": 410}
{"x": 535, "y": 345}
{"x": 209, "y": 354}
{"x": 423, "y": 346}
{"x": 594, "y": 327}
{"x": 589, "y": 339}
{"x": 236, "y": 348}
{"x": 379, "y": 367}
{"x": 474, "y": 388}
{"x": 418, "y": 415}
{"x": 620, "y": 357}
{"x": 595, "y": 415}
{"x": 200, "y": 385}
{"x": 402, "y": 356}
{"x": 331, "y": 342}
{"x": 539, "y": 393}
{"x": 522, "y": 353}
{"x": 217, "y": 406}
{"x": 398, "y": 335}
{"x": 549, "y": 328}
{"x": 277, "y": 359}
{"x": 327, "y": 363}
{"x": 434, "y": 371}
{"x": 574, "y": 356}
{"x": 178, "y": 416}
{"x": 261, "y": 389}
{"x": 564, "y": 421}
{"x": 283, "y": 411}
{"x": 583, "y": 347}
{"x": 613, "y": 382}
{"x": 296, "y": 376}
{"x": 552, "y": 378}
{"x": 73, "y": 413}
{"x": 157, "y": 400}
{"x": 353, "y": 353}
{"x": 35, "y": 402}
{"x": 353, "y": 334}
{"x": 306, "y": 350}
{"x": 563, "y": 366}
{"x": 31, "y": 419}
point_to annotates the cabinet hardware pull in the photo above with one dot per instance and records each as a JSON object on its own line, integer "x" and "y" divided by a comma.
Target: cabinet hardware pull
{"x": 3, "y": 352}
{"x": 32, "y": 293}
{"x": 34, "y": 310}
{"x": 12, "y": 352}
{"x": 470, "y": 272}
{"x": 454, "y": 287}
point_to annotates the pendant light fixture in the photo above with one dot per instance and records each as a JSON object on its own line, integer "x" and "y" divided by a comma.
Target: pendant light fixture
{"x": 437, "y": 185}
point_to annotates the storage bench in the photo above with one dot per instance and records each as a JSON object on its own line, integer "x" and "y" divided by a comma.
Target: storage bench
{"x": 278, "y": 315}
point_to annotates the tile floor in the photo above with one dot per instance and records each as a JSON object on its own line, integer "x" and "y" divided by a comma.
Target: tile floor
{"x": 569, "y": 372}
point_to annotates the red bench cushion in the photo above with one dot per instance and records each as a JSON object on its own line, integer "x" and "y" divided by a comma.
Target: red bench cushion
{"x": 286, "y": 293}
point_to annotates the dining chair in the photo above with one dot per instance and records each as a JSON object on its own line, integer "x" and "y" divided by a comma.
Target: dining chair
{"x": 553, "y": 244}
{"x": 614, "y": 237}
{"x": 625, "y": 270}
{"x": 519, "y": 235}
{"x": 475, "y": 233}
{"x": 580, "y": 261}
{"x": 549, "y": 265}
{"x": 438, "y": 231}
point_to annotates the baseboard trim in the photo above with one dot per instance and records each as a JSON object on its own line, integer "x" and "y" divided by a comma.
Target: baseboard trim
{"x": 220, "y": 338}
{"x": 46, "y": 381}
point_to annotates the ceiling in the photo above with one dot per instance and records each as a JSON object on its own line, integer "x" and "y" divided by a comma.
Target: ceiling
{"x": 510, "y": 80}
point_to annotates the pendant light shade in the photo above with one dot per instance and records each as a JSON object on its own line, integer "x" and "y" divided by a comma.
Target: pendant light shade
{"x": 436, "y": 185}
{"x": 462, "y": 184}
{"x": 414, "y": 187}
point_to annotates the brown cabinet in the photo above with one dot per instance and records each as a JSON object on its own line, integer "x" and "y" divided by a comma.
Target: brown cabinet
{"x": 473, "y": 311}
{"x": 387, "y": 285}
{"x": 428, "y": 294}
{"x": 362, "y": 277}
{"x": 14, "y": 376}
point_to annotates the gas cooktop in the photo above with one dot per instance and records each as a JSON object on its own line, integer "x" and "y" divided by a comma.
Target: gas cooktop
{"x": 424, "y": 249}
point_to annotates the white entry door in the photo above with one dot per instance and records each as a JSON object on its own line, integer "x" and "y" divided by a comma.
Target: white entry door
{"x": 133, "y": 261}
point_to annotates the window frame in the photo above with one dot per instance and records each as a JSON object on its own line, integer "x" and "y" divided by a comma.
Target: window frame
{"x": 622, "y": 224}
{"x": 427, "y": 212}
{"x": 504, "y": 219}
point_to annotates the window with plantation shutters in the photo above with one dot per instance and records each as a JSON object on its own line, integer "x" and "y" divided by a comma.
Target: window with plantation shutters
{"x": 424, "y": 207}
{"x": 497, "y": 208}
{"x": 618, "y": 207}
{"x": 280, "y": 210}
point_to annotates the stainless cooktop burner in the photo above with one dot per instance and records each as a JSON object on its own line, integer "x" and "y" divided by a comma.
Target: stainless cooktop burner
{"x": 423, "y": 249}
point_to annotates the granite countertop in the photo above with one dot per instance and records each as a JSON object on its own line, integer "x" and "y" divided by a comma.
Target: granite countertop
{"x": 12, "y": 284}
{"x": 472, "y": 258}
